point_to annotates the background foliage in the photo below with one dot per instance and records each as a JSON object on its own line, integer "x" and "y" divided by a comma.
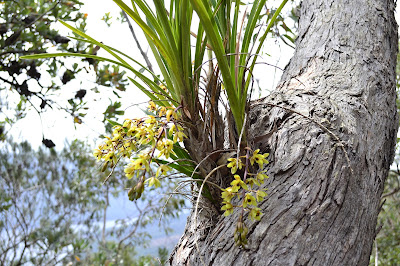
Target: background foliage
{"x": 28, "y": 27}
{"x": 53, "y": 209}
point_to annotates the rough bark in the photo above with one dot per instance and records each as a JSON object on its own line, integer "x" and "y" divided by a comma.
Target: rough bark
{"x": 318, "y": 212}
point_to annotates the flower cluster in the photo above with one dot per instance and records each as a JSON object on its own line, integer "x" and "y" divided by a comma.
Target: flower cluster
{"x": 154, "y": 135}
{"x": 243, "y": 188}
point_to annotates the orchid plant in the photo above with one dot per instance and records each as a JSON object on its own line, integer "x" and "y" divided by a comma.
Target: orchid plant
{"x": 184, "y": 125}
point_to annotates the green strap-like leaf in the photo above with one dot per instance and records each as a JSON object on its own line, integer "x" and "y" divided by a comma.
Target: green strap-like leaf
{"x": 162, "y": 46}
{"x": 84, "y": 35}
{"x": 262, "y": 39}
{"x": 50, "y": 55}
{"x": 215, "y": 40}
{"x": 118, "y": 51}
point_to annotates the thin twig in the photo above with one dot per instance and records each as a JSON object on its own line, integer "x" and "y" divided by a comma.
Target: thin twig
{"x": 281, "y": 69}
{"x": 112, "y": 171}
{"x": 205, "y": 158}
{"x": 135, "y": 227}
{"x": 20, "y": 52}
{"x": 135, "y": 104}
{"x": 144, "y": 55}
{"x": 391, "y": 193}
{"x": 103, "y": 234}
{"x": 201, "y": 180}
{"x": 181, "y": 184}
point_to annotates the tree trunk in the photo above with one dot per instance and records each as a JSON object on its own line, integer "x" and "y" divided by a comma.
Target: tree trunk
{"x": 321, "y": 208}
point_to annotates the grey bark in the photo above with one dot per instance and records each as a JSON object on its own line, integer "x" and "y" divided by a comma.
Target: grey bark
{"x": 317, "y": 211}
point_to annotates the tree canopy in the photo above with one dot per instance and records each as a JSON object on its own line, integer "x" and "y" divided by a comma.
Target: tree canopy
{"x": 28, "y": 27}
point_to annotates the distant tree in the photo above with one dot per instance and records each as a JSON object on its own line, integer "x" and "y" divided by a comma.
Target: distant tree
{"x": 53, "y": 208}
{"x": 387, "y": 243}
{"x": 28, "y": 27}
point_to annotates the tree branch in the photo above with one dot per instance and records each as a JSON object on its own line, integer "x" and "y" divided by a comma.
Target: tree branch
{"x": 103, "y": 235}
{"x": 18, "y": 33}
{"x": 391, "y": 193}
{"x": 146, "y": 58}
{"x": 20, "y": 52}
